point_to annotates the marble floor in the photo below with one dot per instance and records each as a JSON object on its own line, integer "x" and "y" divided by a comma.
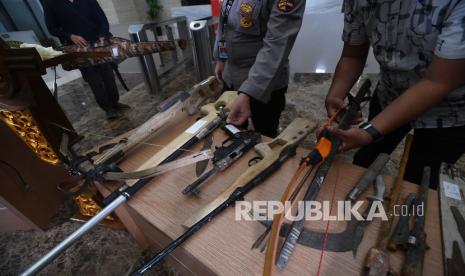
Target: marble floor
{"x": 112, "y": 252}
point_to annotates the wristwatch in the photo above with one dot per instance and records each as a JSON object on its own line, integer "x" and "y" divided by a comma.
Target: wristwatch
{"x": 374, "y": 133}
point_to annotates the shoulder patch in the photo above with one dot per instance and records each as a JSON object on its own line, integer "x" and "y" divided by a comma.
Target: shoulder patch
{"x": 285, "y": 5}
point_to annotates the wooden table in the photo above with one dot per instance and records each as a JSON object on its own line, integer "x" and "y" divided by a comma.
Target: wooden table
{"x": 154, "y": 216}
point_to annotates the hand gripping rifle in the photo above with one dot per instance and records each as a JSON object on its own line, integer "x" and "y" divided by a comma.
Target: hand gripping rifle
{"x": 324, "y": 152}
{"x": 215, "y": 114}
{"x": 273, "y": 154}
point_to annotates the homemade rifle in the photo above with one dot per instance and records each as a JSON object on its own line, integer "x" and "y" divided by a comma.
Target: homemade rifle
{"x": 324, "y": 152}
{"x": 273, "y": 155}
{"x": 239, "y": 143}
{"x": 95, "y": 165}
{"x": 120, "y": 49}
{"x": 214, "y": 115}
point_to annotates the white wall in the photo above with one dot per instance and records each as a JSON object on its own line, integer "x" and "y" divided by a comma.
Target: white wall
{"x": 319, "y": 45}
{"x": 134, "y": 11}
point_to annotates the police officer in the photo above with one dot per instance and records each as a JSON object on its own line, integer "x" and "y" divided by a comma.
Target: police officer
{"x": 252, "y": 48}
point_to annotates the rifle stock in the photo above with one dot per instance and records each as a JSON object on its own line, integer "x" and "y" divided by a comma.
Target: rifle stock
{"x": 270, "y": 153}
{"x": 210, "y": 112}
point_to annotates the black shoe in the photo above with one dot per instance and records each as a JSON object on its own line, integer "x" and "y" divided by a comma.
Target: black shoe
{"x": 112, "y": 114}
{"x": 122, "y": 107}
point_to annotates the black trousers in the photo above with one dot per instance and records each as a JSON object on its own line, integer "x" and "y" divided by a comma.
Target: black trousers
{"x": 102, "y": 83}
{"x": 265, "y": 117}
{"x": 430, "y": 147}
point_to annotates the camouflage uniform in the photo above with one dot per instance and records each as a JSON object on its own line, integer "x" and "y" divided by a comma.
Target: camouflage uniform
{"x": 404, "y": 35}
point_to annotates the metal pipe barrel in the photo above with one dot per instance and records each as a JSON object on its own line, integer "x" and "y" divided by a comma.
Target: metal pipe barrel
{"x": 202, "y": 48}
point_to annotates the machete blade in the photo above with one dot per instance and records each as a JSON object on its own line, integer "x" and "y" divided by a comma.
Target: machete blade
{"x": 347, "y": 240}
{"x": 456, "y": 264}
{"x": 336, "y": 242}
{"x": 459, "y": 220}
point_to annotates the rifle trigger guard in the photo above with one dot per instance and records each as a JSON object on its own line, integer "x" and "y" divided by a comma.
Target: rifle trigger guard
{"x": 226, "y": 141}
{"x": 255, "y": 160}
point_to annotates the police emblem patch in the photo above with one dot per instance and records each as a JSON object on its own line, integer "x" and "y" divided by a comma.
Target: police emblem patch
{"x": 286, "y": 5}
{"x": 246, "y": 8}
{"x": 246, "y": 22}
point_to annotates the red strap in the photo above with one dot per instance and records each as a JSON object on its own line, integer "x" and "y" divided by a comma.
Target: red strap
{"x": 325, "y": 239}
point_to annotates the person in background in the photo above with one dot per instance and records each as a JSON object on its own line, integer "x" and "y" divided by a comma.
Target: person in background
{"x": 80, "y": 22}
{"x": 420, "y": 47}
{"x": 251, "y": 51}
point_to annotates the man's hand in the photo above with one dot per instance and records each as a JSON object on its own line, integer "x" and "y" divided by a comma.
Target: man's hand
{"x": 351, "y": 138}
{"x": 240, "y": 111}
{"x": 219, "y": 67}
{"x": 334, "y": 104}
{"x": 78, "y": 40}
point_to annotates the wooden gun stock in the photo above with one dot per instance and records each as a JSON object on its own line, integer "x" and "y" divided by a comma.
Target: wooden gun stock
{"x": 270, "y": 153}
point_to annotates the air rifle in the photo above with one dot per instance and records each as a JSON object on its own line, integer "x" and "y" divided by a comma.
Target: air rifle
{"x": 273, "y": 154}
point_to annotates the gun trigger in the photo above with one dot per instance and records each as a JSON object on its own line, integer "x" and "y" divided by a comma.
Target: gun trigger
{"x": 226, "y": 141}
{"x": 255, "y": 160}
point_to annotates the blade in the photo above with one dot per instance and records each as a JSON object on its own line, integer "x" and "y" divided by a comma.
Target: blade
{"x": 401, "y": 233}
{"x": 456, "y": 264}
{"x": 298, "y": 226}
{"x": 202, "y": 165}
{"x": 192, "y": 189}
{"x": 160, "y": 169}
{"x": 336, "y": 242}
{"x": 460, "y": 221}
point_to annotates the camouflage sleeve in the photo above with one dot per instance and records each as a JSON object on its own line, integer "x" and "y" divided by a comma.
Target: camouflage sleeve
{"x": 354, "y": 32}
{"x": 451, "y": 41}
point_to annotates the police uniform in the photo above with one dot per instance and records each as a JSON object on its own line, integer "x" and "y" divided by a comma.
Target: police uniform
{"x": 255, "y": 38}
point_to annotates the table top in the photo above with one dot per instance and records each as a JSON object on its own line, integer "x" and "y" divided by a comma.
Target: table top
{"x": 223, "y": 245}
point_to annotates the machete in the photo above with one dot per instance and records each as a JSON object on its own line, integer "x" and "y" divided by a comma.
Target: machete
{"x": 347, "y": 240}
